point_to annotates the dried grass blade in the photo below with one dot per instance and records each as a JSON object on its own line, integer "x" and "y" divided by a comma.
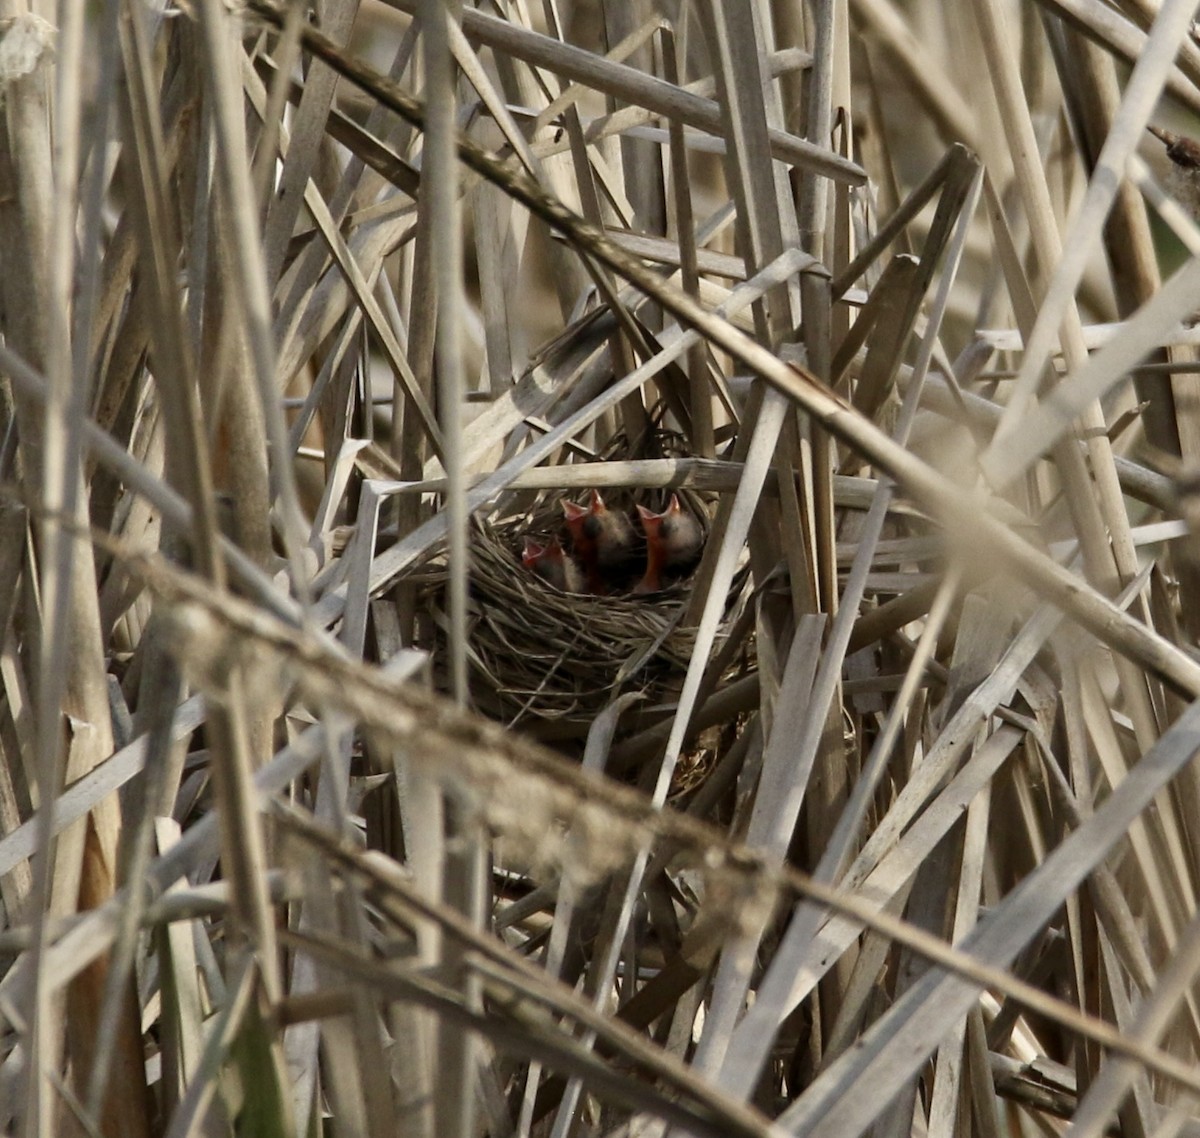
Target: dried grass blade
{"x": 625, "y": 82}
{"x": 183, "y": 1006}
{"x": 769, "y": 818}
{"x": 1141, "y": 96}
{"x": 307, "y": 135}
{"x": 899, "y": 1042}
{"x": 944, "y": 1101}
{"x": 813, "y": 945}
{"x": 1125, "y": 41}
{"x": 1143, "y": 334}
{"x": 1114, "y": 1080}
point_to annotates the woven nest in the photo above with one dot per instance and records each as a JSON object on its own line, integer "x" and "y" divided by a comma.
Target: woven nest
{"x": 536, "y": 653}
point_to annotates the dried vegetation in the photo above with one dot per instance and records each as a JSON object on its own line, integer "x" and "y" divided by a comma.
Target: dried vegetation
{"x": 321, "y": 814}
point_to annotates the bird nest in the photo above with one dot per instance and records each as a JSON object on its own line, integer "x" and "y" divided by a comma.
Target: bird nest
{"x": 537, "y": 654}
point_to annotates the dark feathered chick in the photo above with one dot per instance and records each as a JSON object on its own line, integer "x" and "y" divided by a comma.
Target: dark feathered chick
{"x": 603, "y": 540}
{"x": 673, "y": 543}
{"x": 551, "y": 563}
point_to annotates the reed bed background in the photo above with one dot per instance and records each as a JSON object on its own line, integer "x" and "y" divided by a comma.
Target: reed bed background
{"x": 321, "y": 815}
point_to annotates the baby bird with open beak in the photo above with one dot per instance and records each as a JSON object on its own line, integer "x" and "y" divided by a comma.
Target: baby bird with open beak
{"x": 673, "y": 543}
{"x": 602, "y": 539}
{"x": 551, "y": 563}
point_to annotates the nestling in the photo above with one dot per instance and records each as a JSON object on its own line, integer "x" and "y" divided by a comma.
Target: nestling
{"x": 673, "y": 543}
{"x": 602, "y": 539}
{"x": 551, "y": 563}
